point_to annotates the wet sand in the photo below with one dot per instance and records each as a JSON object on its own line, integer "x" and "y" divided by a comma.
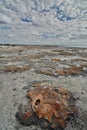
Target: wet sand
{"x": 22, "y": 66}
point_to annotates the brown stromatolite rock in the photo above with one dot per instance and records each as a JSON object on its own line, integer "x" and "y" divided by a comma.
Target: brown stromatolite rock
{"x": 48, "y": 107}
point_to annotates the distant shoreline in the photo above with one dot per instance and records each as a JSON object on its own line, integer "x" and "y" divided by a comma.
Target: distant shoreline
{"x": 44, "y": 45}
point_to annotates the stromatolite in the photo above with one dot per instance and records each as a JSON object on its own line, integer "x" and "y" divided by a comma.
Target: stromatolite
{"x": 49, "y": 107}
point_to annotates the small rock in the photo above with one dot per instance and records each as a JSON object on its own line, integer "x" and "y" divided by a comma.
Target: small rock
{"x": 25, "y": 87}
{"x": 14, "y": 89}
{"x": 82, "y": 92}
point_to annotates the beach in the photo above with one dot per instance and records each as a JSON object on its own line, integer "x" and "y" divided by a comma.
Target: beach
{"x": 23, "y": 67}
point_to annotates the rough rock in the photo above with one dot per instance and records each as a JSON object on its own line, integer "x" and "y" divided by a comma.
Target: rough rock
{"x": 49, "y": 107}
{"x": 15, "y": 68}
{"x": 73, "y": 70}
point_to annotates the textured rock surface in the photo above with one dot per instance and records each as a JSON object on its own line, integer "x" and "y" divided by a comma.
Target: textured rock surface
{"x": 55, "y": 106}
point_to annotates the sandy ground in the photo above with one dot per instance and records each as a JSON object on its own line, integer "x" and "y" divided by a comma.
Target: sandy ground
{"x": 21, "y": 66}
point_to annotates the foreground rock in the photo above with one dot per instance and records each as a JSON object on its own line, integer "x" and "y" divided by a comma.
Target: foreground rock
{"x": 48, "y": 107}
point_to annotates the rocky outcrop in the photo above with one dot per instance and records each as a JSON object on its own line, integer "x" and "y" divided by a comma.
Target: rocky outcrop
{"x": 15, "y": 68}
{"x": 48, "y": 107}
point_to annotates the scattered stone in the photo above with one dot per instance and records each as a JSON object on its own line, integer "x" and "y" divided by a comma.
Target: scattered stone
{"x": 66, "y": 53}
{"x": 49, "y": 72}
{"x": 14, "y": 89}
{"x": 79, "y": 60}
{"x": 26, "y": 87}
{"x": 82, "y": 92}
{"x": 15, "y": 68}
{"x": 56, "y": 60}
{"x": 40, "y": 83}
{"x": 72, "y": 70}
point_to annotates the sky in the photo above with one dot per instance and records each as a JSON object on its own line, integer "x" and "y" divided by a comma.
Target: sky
{"x": 60, "y": 22}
